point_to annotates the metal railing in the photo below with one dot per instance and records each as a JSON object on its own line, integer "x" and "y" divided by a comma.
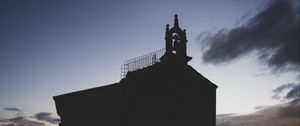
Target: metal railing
{"x": 141, "y": 62}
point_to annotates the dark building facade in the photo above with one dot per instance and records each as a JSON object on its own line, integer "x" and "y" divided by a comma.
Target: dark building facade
{"x": 166, "y": 92}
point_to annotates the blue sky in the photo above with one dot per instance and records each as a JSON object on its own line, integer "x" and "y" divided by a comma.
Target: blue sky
{"x": 48, "y": 48}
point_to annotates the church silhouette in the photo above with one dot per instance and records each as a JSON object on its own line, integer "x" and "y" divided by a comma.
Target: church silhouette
{"x": 157, "y": 89}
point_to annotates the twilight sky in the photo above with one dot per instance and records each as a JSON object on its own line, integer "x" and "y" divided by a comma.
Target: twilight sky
{"x": 47, "y": 48}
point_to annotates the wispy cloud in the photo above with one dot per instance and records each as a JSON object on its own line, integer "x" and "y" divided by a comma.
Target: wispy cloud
{"x": 12, "y": 109}
{"x": 293, "y": 92}
{"x": 20, "y": 121}
{"x": 270, "y": 116}
{"x": 286, "y": 114}
{"x": 39, "y": 119}
{"x": 273, "y": 33}
{"x": 46, "y": 116}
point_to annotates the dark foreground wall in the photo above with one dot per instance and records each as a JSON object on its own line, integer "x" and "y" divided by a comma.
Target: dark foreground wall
{"x": 90, "y": 107}
{"x": 165, "y": 94}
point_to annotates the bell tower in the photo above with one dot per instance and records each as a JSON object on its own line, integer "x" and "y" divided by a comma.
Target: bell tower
{"x": 176, "y": 43}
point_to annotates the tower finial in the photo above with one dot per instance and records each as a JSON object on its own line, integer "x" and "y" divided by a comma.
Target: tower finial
{"x": 176, "y": 20}
{"x": 167, "y": 27}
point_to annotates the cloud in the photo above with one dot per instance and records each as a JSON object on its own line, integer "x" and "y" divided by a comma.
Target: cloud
{"x": 272, "y": 34}
{"x": 20, "y": 121}
{"x": 46, "y": 116}
{"x": 271, "y": 116}
{"x": 36, "y": 120}
{"x": 292, "y": 94}
{"x": 292, "y": 109}
{"x": 12, "y": 109}
{"x": 285, "y": 114}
